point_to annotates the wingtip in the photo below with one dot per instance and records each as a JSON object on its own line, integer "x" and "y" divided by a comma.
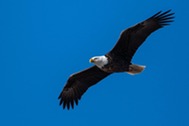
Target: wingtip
{"x": 161, "y": 13}
{"x": 164, "y": 18}
{"x": 67, "y": 101}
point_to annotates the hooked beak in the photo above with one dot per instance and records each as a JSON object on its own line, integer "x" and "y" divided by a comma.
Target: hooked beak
{"x": 91, "y": 60}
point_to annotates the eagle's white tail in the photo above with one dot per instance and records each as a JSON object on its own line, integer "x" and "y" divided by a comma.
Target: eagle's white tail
{"x": 135, "y": 69}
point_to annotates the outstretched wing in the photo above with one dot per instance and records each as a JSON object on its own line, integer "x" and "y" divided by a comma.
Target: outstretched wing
{"x": 133, "y": 37}
{"x": 78, "y": 83}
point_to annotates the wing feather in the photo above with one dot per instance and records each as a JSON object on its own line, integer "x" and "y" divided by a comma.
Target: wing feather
{"x": 77, "y": 85}
{"x": 131, "y": 38}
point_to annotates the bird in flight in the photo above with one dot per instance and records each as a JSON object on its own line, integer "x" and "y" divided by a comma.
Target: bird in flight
{"x": 116, "y": 60}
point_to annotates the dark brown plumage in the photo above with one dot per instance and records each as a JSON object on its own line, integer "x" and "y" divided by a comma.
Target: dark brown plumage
{"x": 133, "y": 37}
{"x": 119, "y": 59}
{"x": 78, "y": 83}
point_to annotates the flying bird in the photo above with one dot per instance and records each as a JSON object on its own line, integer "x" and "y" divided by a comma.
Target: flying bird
{"x": 116, "y": 60}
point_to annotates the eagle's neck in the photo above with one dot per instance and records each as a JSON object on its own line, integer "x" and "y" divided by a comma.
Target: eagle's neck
{"x": 100, "y": 61}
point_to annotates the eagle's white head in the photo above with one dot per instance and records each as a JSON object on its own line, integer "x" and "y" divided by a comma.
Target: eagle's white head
{"x": 99, "y": 61}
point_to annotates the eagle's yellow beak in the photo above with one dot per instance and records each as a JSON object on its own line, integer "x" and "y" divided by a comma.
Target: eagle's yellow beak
{"x": 91, "y": 60}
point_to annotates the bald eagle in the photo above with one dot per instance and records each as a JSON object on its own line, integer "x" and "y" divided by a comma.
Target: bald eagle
{"x": 117, "y": 60}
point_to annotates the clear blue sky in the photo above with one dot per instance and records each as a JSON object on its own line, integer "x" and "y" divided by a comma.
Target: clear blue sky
{"x": 42, "y": 42}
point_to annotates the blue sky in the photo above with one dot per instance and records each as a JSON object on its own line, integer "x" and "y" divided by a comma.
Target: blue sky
{"x": 42, "y": 42}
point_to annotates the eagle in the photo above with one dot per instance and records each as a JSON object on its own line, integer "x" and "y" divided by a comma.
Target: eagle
{"x": 118, "y": 59}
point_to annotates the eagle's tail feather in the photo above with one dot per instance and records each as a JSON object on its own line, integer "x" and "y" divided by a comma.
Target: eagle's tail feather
{"x": 135, "y": 69}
